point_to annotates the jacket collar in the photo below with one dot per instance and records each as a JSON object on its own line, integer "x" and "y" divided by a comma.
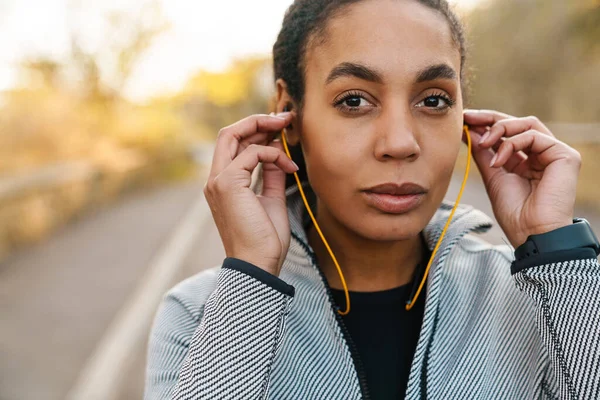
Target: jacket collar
{"x": 466, "y": 219}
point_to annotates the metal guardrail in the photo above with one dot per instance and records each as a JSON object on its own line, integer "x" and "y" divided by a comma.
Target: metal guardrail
{"x": 574, "y": 134}
{"x": 35, "y": 203}
{"x": 45, "y": 178}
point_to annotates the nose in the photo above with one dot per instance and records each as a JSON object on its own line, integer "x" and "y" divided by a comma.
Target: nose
{"x": 396, "y": 137}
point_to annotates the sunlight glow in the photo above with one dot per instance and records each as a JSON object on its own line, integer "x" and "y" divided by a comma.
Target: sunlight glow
{"x": 203, "y": 35}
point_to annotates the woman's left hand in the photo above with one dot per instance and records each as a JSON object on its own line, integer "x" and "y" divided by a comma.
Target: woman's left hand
{"x": 530, "y": 176}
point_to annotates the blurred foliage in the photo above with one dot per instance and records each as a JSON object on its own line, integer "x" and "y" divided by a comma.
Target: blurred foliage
{"x": 528, "y": 57}
{"x": 74, "y": 108}
{"x": 537, "y": 57}
{"x": 212, "y": 100}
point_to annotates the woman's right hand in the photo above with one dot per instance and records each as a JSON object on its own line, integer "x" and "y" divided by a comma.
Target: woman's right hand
{"x": 253, "y": 228}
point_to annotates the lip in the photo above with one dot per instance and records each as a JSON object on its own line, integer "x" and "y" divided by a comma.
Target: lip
{"x": 393, "y": 198}
{"x": 396, "y": 189}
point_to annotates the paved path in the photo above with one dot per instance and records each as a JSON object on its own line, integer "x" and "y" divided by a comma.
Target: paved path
{"x": 207, "y": 253}
{"x": 58, "y": 298}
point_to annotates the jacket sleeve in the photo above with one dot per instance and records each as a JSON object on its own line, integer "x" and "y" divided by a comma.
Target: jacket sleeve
{"x": 565, "y": 286}
{"x": 228, "y": 350}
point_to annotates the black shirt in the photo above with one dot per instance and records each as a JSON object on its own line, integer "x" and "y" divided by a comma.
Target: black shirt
{"x": 385, "y": 334}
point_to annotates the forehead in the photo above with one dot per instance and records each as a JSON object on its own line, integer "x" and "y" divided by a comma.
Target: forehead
{"x": 397, "y": 37}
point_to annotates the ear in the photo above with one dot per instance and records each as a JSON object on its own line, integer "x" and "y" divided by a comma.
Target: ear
{"x": 284, "y": 100}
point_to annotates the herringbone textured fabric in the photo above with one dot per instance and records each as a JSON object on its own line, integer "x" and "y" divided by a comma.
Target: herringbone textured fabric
{"x": 224, "y": 334}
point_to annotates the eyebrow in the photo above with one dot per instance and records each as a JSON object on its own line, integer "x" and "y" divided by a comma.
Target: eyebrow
{"x": 350, "y": 69}
{"x": 438, "y": 71}
{"x": 353, "y": 69}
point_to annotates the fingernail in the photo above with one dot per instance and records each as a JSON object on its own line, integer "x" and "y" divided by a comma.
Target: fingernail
{"x": 296, "y": 165}
{"x": 493, "y": 160}
{"x": 484, "y": 137}
{"x": 283, "y": 115}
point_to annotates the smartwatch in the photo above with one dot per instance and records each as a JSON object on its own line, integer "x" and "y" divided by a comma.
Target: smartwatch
{"x": 577, "y": 235}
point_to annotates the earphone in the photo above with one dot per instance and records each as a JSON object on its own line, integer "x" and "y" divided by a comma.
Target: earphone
{"x": 412, "y": 302}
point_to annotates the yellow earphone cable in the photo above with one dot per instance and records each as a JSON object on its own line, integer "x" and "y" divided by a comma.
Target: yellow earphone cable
{"x": 312, "y": 217}
{"x": 460, "y": 192}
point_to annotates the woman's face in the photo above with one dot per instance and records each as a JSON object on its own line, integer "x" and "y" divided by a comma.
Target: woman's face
{"x": 382, "y": 105}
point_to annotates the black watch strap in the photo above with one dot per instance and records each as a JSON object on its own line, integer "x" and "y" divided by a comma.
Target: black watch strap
{"x": 577, "y": 235}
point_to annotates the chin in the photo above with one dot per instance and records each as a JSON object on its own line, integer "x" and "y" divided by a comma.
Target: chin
{"x": 390, "y": 227}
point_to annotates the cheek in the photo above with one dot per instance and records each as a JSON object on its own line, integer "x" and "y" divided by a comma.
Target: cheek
{"x": 440, "y": 159}
{"x": 332, "y": 151}
{"x": 441, "y": 154}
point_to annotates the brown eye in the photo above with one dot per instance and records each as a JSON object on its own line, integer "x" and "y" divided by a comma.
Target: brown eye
{"x": 353, "y": 101}
{"x": 436, "y": 102}
{"x": 432, "y": 102}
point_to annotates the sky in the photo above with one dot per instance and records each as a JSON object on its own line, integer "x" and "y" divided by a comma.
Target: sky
{"x": 203, "y": 35}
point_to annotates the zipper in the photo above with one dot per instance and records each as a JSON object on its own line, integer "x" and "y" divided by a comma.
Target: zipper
{"x": 358, "y": 366}
{"x": 423, "y": 383}
{"x": 362, "y": 379}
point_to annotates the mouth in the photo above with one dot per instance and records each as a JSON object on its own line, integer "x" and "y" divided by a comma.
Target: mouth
{"x": 392, "y": 198}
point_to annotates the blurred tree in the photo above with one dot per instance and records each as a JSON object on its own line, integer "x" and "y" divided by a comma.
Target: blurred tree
{"x": 88, "y": 71}
{"x": 130, "y": 38}
{"x": 527, "y": 58}
{"x": 212, "y": 100}
{"x": 105, "y": 72}
{"x": 74, "y": 108}
{"x": 42, "y": 72}
{"x": 587, "y": 24}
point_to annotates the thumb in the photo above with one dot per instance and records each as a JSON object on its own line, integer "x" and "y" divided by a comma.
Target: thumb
{"x": 273, "y": 177}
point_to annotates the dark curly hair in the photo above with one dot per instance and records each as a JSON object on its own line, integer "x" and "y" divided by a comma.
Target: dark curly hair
{"x": 305, "y": 21}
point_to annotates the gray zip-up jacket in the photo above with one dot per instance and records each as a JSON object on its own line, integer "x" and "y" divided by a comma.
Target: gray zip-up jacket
{"x": 493, "y": 328}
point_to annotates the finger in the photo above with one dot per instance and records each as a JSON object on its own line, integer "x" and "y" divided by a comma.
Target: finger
{"x": 482, "y": 158}
{"x": 483, "y": 117}
{"x": 476, "y": 133}
{"x": 528, "y": 170}
{"x": 546, "y": 148}
{"x": 260, "y": 138}
{"x": 481, "y": 129}
{"x": 512, "y": 127}
{"x": 242, "y": 166}
{"x": 515, "y": 164}
{"x": 229, "y": 138}
{"x": 514, "y": 161}
{"x": 273, "y": 177}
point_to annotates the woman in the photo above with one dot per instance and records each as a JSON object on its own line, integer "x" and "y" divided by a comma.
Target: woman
{"x": 375, "y": 93}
